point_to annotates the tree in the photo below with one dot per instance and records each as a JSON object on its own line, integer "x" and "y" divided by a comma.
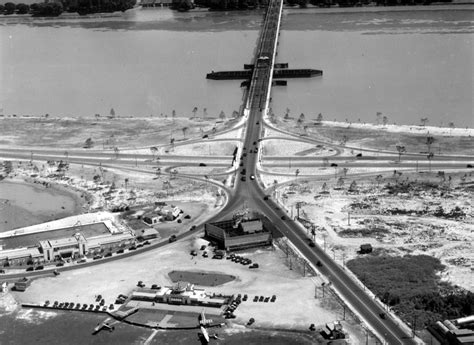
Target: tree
{"x": 222, "y": 115}
{"x": 235, "y": 114}
{"x": 9, "y": 8}
{"x": 324, "y": 187}
{"x": 319, "y": 119}
{"x": 430, "y": 157}
{"x": 116, "y": 151}
{"x": 22, "y": 8}
{"x": 112, "y": 113}
{"x": 378, "y": 116}
{"x": 88, "y": 143}
{"x": 301, "y": 119}
{"x": 287, "y": 114}
{"x": 423, "y": 121}
{"x": 184, "y": 129}
{"x": 344, "y": 140}
{"x": 401, "y": 149}
{"x": 429, "y": 141}
{"x": 385, "y": 120}
{"x": 97, "y": 116}
{"x": 340, "y": 183}
{"x": 126, "y": 183}
{"x": 297, "y": 172}
{"x": 353, "y": 186}
{"x": 195, "y": 109}
{"x": 51, "y": 9}
{"x": 154, "y": 151}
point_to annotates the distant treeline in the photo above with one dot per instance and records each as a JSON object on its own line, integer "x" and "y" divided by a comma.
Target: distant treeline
{"x": 229, "y": 5}
{"x": 54, "y": 9}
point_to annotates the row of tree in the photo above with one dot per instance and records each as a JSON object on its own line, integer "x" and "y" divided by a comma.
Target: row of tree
{"x": 229, "y": 5}
{"x": 54, "y": 9}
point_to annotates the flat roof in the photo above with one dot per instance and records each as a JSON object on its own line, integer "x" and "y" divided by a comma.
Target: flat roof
{"x": 20, "y": 253}
{"x": 32, "y": 240}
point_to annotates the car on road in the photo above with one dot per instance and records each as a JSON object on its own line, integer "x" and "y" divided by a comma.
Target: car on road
{"x": 172, "y": 239}
{"x": 251, "y": 321}
{"x": 252, "y": 177}
{"x": 202, "y": 164}
{"x": 253, "y": 266}
{"x": 140, "y": 284}
{"x": 266, "y": 197}
{"x": 311, "y": 244}
{"x": 40, "y": 267}
{"x": 243, "y": 179}
{"x": 383, "y": 315}
{"x": 255, "y": 299}
{"x": 283, "y": 217}
{"x": 261, "y": 299}
{"x": 258, "y": 122}
{"x": 60, "y": 264}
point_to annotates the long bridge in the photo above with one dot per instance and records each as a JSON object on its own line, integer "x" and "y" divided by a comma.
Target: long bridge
{"x": 249, "y": 192}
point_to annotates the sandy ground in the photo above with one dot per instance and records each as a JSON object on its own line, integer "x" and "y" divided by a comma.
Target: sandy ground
{"x": 449, "y": 240}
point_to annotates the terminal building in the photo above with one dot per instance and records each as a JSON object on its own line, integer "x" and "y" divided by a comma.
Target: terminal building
{"x": 59, "y": 244}
{"x": 237, "y": 234}
{"x": 181, "y": 293}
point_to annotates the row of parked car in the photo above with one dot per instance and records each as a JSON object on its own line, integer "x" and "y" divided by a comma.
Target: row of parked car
{"x": 241, "y": 260}
{"x": 264, "y": 299}
{"x": 78, "y": 306}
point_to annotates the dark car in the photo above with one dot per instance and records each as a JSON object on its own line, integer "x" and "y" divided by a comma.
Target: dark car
{"x": 108, "y": 254}
{"x": 253, "y": 266}
{"x": 156, "y": 287}
{"x": 251, "y": 321}
{"x": 283, "y": 217}
{"x": 97, "y": 257}
{"x": 311, "y": 244}
{"x": 265, "y": 197}
{"x": 31, "y": 268}
{"x": 255, "y": 299}
{"x": 261, "y": 299}
{"x": 202, "y": 164}
{"x": 382, "y": 315}
{"x": 120, "y": 251}
{"x": 243, "y": 178}
{"x": 172, "y": 238}
{"x": 2, "y": 271}
{"x": 266, "y": 299}
{"x": 60, "y": 264}
{"x": 40, "y": 267}
{"x": 245, "y": 298}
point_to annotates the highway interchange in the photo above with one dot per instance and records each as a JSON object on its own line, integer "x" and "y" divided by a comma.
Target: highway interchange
{"x": 249, "y": 191}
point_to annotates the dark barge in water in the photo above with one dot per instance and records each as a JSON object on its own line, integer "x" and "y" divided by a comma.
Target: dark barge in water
{"x": 277, "y": 74}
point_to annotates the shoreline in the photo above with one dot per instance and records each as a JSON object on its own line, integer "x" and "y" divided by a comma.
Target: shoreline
{"x": 40, "y": 216}
{"x": 463, "y": 6}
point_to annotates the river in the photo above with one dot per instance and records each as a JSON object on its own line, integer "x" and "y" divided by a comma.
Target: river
{"x": 406, "y": 65}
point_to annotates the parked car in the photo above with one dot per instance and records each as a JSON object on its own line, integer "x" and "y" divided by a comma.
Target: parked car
{"x": 205, "y": 255}
{"x": 251, "y": 321}
{"x": 253, "y": 266}
{"x": 255, "y": 299}
{"x": 155, "y": 287}
{"x": 97, "y": 257}
{"x": 31, "y": 268}
{"x": 266, "y": 299}
{"x": 202, "y": 164}
{"x": 120, "y": 251}
{"x": 40, "y": 267}
{"x": 60, "y": 264}
{"x": 140, "y": 284}
{"x": 273, "y": 298}
{"x": 261, "y": 298}
{"x": 245, "y": 298}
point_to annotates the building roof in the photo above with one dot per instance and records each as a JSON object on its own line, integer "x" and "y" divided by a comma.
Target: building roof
{"x": 20, "y": 253}
{"x": 251, "y": 226}
{"x": 107, "y": 239}
{"x": 149, "y": 232}
{"x": 62, "y": 242}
